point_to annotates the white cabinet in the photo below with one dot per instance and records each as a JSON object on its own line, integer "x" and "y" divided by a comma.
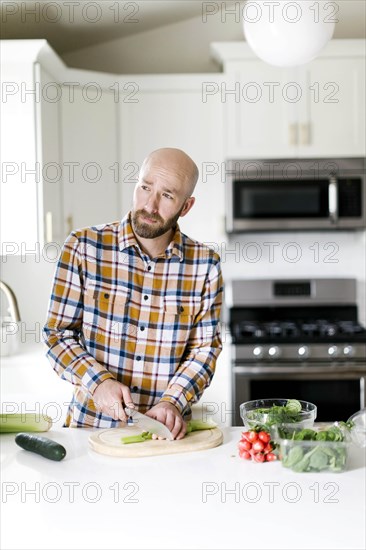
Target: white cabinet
{"x": 333, "y": 121}
{"x": 173, "y": 111}
{"x": 90, "y": 194}
{"x": 259, "y": 122}
{"x": 48, "y": 119}
{"x": 20, "y": 173}
{"x": 59, "y": 148}
{"x": 315, "y": 110}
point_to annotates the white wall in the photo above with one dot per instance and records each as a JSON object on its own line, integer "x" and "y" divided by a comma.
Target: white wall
{"x": 184, "y": 46}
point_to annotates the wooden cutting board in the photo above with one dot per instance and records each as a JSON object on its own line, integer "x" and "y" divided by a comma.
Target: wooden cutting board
{"x": 108, "y": 442}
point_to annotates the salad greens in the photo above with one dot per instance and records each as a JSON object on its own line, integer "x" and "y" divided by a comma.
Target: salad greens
{"x": 277, "y": 414}
{"x": 327, "y": 455}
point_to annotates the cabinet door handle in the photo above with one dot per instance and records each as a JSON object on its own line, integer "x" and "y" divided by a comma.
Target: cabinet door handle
{"x": 293, "y": 134}
{"x": 49, "y": 232}
{"x": 305, "y": 134}
{"x": 333, "y": 199}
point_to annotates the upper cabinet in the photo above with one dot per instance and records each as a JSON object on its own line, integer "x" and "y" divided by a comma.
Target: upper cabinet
{"x": 90, "y": 156}
{"x": 315, "y": 110}
{"x": 332, "y": 121}
{"x": 59, "y": 148}
{"x": 20, "y": 181}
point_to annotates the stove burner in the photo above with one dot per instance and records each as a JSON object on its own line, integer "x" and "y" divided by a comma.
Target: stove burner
{"x": 273, "y": 329}
{"x": 327, "y": 329}
{"x": 349, "y": 327}
{"x": 308, "y": 328}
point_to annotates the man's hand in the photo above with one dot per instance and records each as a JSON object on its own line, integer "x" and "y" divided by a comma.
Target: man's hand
{"x": 110, "y": 398}
{"x": 171, "y": 417}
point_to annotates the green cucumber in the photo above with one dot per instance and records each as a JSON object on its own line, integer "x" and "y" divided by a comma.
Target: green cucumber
{"x": 41, "y": 445}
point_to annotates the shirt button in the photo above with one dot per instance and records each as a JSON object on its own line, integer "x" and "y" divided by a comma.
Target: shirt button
{"x": 134, "y": 389}
{"x": 149, "y": 267}
{"x": 138, "y": 358}
{"x": 106, "y": 295}
{"x": 142, "y": 328}
{"x": 146, "y": 297}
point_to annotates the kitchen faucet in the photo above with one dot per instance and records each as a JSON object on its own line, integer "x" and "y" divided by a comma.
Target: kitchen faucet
{"x": 13, "y": 304}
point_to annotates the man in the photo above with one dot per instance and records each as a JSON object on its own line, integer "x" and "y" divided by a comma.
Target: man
{"x": 134, "y": 311}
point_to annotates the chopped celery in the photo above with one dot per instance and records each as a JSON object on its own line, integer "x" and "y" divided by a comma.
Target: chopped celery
{"x": 192, "y": 426}
{"x": 140, "y": 438}
{"x": 24, "y": 422}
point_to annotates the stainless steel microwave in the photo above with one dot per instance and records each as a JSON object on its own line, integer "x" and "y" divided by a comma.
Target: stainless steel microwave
{"x": 302, "y": 194}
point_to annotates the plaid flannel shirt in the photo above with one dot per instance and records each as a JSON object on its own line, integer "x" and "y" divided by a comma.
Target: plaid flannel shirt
{"x": 151, "y": 324}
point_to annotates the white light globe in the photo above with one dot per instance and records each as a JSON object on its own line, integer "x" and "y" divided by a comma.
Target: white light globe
{"x": 287, "y": 34}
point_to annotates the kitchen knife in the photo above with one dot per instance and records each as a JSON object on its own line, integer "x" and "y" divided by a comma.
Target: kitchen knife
{"x": 148, "y": 424}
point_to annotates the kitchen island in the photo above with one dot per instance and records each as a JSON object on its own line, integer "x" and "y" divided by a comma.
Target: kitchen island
{"x": 208, "y": 499}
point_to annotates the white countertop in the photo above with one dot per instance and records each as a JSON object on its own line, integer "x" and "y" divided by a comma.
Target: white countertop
{"x": 208, "y": 499}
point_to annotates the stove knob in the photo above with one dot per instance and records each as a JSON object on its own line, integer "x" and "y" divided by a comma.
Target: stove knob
{"x": 303, "y": 352}
{"x": 258, "y": 352}
{"x": 274, "y": 352}
{"x": 333, "y": 351}
{"x": 348, "y": 351}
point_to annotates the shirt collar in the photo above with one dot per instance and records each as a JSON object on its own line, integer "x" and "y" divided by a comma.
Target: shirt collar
{"x": 126, "y": 239}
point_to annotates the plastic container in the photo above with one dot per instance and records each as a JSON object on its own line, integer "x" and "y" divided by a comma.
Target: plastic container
{"x": 358, "y": 431}
{"x": 304, "y": 456}
{"x": 252, "y": 414}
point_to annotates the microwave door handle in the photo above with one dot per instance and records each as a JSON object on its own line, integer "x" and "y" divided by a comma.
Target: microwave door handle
{"x": 333, "y": 200}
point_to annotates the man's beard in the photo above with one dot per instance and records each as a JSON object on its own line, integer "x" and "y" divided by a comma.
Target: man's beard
{"x": 151, "y": 231}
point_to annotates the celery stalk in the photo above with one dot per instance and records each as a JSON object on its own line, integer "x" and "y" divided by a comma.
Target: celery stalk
{"x": 192, "y": 426}
{"x": 140, "y": 438}
{"x": 197, "y": 425}
{"x": 24, "y": 422}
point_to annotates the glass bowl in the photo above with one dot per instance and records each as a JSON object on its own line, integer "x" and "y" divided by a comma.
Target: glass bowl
{"x": 261, "y": 413}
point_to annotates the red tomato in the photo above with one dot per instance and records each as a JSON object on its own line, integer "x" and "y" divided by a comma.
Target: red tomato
{"x": 244, "y": 445}
{"x": 258, "y": 446}
{"x": 270, "y": 457}
{"x": 252, "y": 436}
{"x": 264, "y": 436}
{"x": 258, "y": 457}
{"x": 268, "y": 448}
{"x": 244, "y": 454}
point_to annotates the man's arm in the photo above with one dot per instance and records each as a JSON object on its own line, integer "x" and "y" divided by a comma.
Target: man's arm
{"x": 62, "y": 332}
{"x": 195, "y": 372}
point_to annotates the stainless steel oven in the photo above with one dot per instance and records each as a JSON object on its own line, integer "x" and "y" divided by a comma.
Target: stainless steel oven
{"x": 299, "y": 339}
{"x": 295, "y": 194}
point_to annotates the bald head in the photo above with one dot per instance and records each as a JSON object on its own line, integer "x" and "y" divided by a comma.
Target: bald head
{"x": 163, "y": 192}
{"x": 177, "y": 161}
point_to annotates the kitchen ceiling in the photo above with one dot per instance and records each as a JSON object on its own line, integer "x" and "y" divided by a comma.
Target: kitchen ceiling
{"x": 128, "y": 36}
{"x": 72, "y": 25}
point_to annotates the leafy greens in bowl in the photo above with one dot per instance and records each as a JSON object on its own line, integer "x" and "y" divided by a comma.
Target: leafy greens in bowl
{"x": 267, "y": 413}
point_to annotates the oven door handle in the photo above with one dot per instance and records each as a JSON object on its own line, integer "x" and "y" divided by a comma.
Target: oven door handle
{"x": 333, "y": 199}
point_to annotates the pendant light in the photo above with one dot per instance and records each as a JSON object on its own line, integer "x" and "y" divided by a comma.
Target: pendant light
{"x": 288, "y": 34}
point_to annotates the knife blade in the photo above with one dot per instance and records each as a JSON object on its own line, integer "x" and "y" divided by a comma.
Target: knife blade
{"x": 149, "y": 424}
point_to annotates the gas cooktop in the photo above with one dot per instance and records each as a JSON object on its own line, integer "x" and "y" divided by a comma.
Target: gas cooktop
{"x": 291, "y": 331}
{"x": 316, "y": 319}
